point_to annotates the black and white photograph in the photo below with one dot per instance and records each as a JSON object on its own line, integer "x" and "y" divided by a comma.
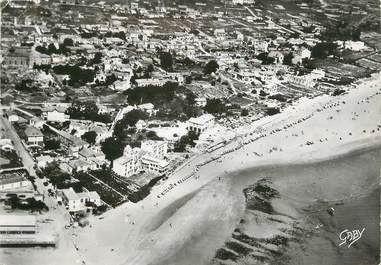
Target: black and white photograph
{"x": 190, "y": 132}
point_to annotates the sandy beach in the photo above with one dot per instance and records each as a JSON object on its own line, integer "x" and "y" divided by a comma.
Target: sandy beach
{"x": 187, "y": 218}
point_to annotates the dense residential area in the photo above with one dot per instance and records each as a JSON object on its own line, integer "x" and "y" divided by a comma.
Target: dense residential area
{"x": 102, "y": 102}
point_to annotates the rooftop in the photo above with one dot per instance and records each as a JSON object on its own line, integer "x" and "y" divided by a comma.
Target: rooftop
{"x": 203, "y": 119}
{"x": 33, "y": 132}
{"x": 70, "y": 194}
{"x": 11, "y": 177}
{"x": 17, "y": 220}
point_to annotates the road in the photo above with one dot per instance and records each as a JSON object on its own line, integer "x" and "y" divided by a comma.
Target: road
{"x": 19, "y": 147}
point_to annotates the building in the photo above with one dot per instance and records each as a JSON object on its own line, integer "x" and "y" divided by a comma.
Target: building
{"x": 13, "y": 180}
{"x": 34, "y": 136}
{"x": 75, "y": 202}
{"x": 148, "y": 107}
{"x": 56, "y": 116}
{"x": 142, "y": 82}
{"x": 200, "y": 124}
{"x": 25, "y": 57}
{"x": 156, "y": 149}
{"x": 17, "y": 224}
{"x": 128, "y": 164}
{"x": 36, "y": 122}
{"x": 44, "y": 160}
{"x": 140, "y": 125}
{"x": 150, "y": 158}
{"x": 70, "y": 142}
{"x": 79, "y": 164}
{"x": 200, "y": 102}
{"x": 154, "y": 165}
{"x": 243, "y": 2}
{"x": 13, "y": 118}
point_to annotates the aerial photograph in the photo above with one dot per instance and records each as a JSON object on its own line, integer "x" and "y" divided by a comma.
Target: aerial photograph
{"x": 190, "y": 132}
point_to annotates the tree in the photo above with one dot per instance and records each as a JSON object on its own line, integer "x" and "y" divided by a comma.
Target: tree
{"x": 288, "y": 58}
{"x": 89, "y": 137}
{"x": 52, "y": 48}
{"x": 188, "y": 61}
{"x": 189, "y": 139}
{"x": 262, "y": 93}
{"x": 97, "y": 58}
{"x": 264, "y": 57}
{"x": 112, "y": 148}
{"x": 244, "y": 112}
{"x": 51, "y": 144}
{"x": 68, "y": 42}
{"x": 132, "y": 117}
{"x": 211, "y": 67}
{"x": 215, "y": 105}
{"x": 150, "y": 68}
{"x": 272, "y": 111}
{"x": 191, "y": 98}
{"x": 151, "y": 135}
{"x": 87, "y": 111}
{"x": 323, "y": 49}
{"x": 166, "y": 60}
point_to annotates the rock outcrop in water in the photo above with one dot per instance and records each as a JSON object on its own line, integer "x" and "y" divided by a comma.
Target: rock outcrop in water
{"x": 262, "y": 233}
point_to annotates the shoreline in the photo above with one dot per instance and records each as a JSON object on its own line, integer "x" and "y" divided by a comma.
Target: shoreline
{"x": 232, "y": 163}
{"x": 129, "y": 242}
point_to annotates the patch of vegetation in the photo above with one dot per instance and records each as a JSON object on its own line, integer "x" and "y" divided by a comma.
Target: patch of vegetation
{"x": 14, "y": 160}
{"x": 56, "y": 176}
{"x": 279, "y": 97}
{"x": 120, "y": 184}
{"x": 224, "y": 254}
{"x": 189, "y": 139}
{"x": 89, "y": 137}
{"x": 238, "y": 248}
{"x": 272, "y": 111}
{"x": 87, "y": 111}
{"x": 263, "y": 189}
{"x": 26, "y": 85}
{"x": 78, "y": 76}
{"x": 51, "y": 144}
{"x": 29, "y": 204}
{"x": 211, "y": 67}
{"x": 156, "y": 95}
{"x": 215, "y": 106}
{"x": 144, "y": 191}
{"x": 277, "y": 240}
{"x": 107, "y": 195}
{"x": 259, "y": 204}
{"x": 338, "y": 92}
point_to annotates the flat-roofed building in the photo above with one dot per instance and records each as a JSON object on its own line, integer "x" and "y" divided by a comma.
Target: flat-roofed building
{"x": 200, "y": 124}
{"x": 154, "y": 165}
{"x": 13, "y": 180}
{"x": 156, "y": 149}
{"x": 17, "y": 224}
{"x": 79, "y": 201}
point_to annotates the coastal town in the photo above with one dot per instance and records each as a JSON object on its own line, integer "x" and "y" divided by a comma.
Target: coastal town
{"x": 111, "y": 112}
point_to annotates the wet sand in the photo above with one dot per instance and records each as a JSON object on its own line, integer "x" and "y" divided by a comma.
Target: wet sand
{"x": 349, "y": 184}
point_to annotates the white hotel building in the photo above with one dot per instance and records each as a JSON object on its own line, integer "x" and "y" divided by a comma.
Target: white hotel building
{"x": 150, "y": 157}
{"x": 200, "y": 124}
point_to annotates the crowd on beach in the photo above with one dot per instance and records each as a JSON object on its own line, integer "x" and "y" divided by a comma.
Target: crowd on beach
{"x": 241, "y": 140}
